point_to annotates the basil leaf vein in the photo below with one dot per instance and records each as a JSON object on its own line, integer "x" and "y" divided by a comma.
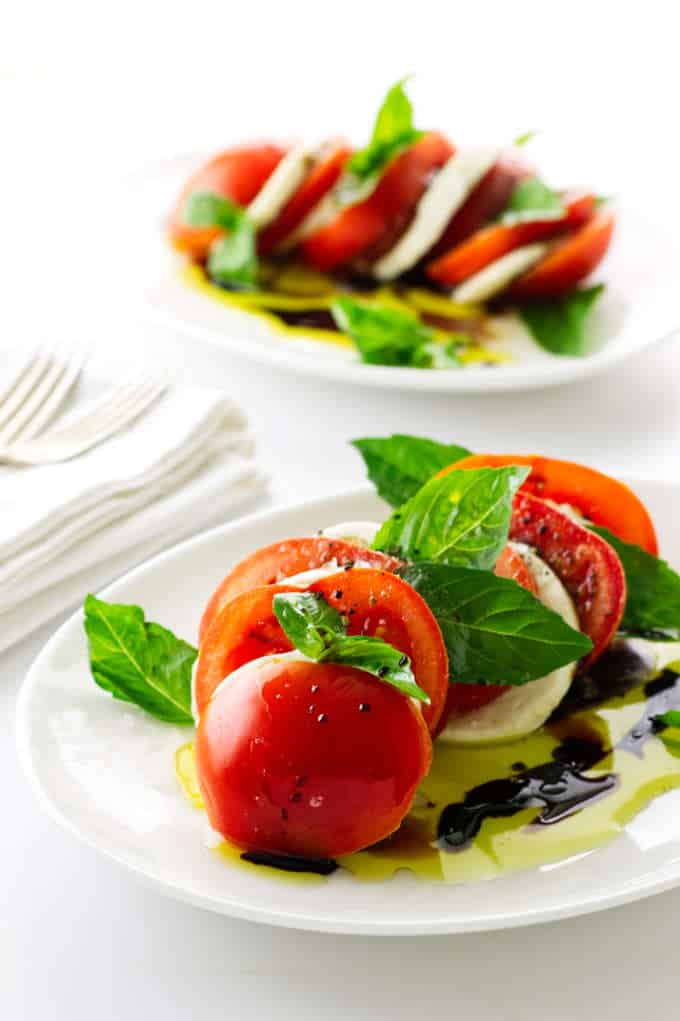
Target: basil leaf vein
{"x": 400, "y": 464}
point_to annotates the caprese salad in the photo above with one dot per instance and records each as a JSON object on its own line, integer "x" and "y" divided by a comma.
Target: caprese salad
{"x": 348, "y": 682}
{"x": 403, "y": 246}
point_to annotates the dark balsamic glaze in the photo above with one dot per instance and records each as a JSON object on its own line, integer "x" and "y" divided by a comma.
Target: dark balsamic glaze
{"x": 288, "y": 863}
{"x": 312, "y": 318}
{"x": 613, "y": 675}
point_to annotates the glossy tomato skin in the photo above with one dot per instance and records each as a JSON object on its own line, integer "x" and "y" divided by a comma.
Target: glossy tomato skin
{"x": 312, "y": 760}
{"x": 569, "y": 263}
{"x": 237, "y": 174}
{"x": 273, "y": 563}
{"x": 597, "y": 497}
{"x": 493, "y": 242}
{"x": 466, "y": 698}
{"x": 587, "y": 566}
{"x": 359, "y": 227}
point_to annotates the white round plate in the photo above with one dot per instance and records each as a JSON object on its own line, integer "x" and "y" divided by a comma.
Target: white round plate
{"x": 105, "y": 771}
{"x": 639, "y": 307}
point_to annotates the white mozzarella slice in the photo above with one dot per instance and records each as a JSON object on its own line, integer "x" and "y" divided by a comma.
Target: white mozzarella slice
{"x": 525, "y": 708}
{"x": 361, "y": 532}
{"x": 444, "y": 196}
{"x": 495, "y": 277}
{"x": 289, "y": 174}
{"x": 306, "y": 578}
{"x": 322, "y": 213}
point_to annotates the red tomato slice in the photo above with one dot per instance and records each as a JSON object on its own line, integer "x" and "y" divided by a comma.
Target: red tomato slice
{"x": 318, "y": 183}
{"x": 281, "y": 560}
{"x": 493, "y": 242}
{"x": 374, "y": 603}
{"x": 484, "y": 203}
{"x": 237, "y": 174}
{"x": 362, "y": 225}
{"x": 307, "y": 759}
{"x": 587, "y": 566}
{"x": 466, "y": 698}
{"x": 599, "y": 498}
{"x": 569, "y": 263}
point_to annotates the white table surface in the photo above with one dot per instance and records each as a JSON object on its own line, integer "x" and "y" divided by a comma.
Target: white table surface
{"x": 79, "y": 938}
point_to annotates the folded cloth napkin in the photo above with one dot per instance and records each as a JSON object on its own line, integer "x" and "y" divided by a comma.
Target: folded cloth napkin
{"x": 70, "y": 528}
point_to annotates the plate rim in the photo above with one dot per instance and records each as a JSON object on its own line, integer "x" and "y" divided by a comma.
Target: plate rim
{"x": 229, "y": 906}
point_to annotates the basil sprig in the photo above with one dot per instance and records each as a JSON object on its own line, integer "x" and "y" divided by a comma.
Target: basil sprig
{"x": 461, "y": 518}
{"x": 232, "y": 258}
{"x": 139, "y": 662}
{"x": 400, "y": 464}
{"x": 390, "y": 336}
{"x": 495, "y": 631}
{"x": 317, "y": 630}
{"x": 530, "y": 200}
{"x": 559, "y": 325}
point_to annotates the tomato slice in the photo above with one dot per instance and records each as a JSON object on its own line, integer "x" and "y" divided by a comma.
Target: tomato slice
{"x": 374, "y": 603}
{"x": 318, "y": 183}
{"x": 598, "y": 497}
{"x": 308, "y": 759}
{"x": 466, "y": 698}
{"x": 484, "y": 203}
{"x": 237, "y": 174}
{"x": 281, "y": 560}
{"x": 569, "y": 263}
{"x": 491, "y": 243}
{"x": 587, "y": 566}
{"x": 361, "y": 226}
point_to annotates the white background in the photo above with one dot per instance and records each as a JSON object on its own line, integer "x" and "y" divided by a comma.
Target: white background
{"x": 89, "y": 93}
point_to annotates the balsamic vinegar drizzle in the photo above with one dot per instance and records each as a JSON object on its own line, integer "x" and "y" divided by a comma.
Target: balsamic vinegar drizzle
{"x": 288, "y": 863}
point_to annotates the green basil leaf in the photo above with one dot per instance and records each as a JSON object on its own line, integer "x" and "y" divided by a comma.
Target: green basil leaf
{"x": 653, "y": 599}
{"x": 318, "y": 631}
{"x": 522, "y": 140}
{"x": 393, "y": 132}
{"x": 383, "y": 335}
{"x": 559, "y": 325}
{"x": 531, "y": 200}
{"x": 399, "y": 465}
{"x": 670, "y": 718}
{"x": 206, "y": 209}
{"x": 139, "y": 662}
{"x": 232, "y": 259}
{"x": 494, "y": 630}
{"x": 461, "y": 518}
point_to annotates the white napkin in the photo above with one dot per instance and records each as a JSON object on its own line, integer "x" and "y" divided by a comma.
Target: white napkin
{"x": 69, "y": 528}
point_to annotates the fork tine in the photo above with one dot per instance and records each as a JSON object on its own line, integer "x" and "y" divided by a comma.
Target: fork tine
{"x": 101, "y": 410}
{"x": 72, "y": 370}
{"x": 17, "y": 375}
{"x": 124, "y": 414}
{"x": 22, "y": 387}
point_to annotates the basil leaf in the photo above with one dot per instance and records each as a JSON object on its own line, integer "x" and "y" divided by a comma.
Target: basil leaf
{"x": 399, "y": 465}
{"x": 232, "y": 259}
{"x": 494, "y": 630}
{"x": 559, "y": 325}
{"x": 383, "y": 335}
{"x": 139, "y": 662}
{"x": 318, "y": 631}
{"x": 393, "y": 132}
{"x": 522, "y": 140}
{"x": 653, "y": 589}
{"x": 206, "y": 209}
{"x": 531, "y": 199}
{"x": 670, "y": 718}
{"x": 461, "y": 518}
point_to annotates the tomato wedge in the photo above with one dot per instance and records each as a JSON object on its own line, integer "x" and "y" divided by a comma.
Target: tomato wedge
{"x": 237, "y": 174}
{"x": 309, "y": 759}
{"x": 587, "y": 566}
{"x": 466, "y": 698}
{"x": 281, "y": 560}
{"x": 360, "y": 226}
{"x": 570, "y": 263}
{"x": 373, "y": 602}
{"x": 318, "y": 183}
{"x": 599, "y": 498}
{"x": 491, "y": 243}
{"x": 484, "y": 203}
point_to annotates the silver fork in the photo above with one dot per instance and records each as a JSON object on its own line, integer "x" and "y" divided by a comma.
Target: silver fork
{"x": 79, "y": 432}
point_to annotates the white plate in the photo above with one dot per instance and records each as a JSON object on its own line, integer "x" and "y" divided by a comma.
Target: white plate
{"x": 640, "y": 306}
{"x": 105, "y": 772}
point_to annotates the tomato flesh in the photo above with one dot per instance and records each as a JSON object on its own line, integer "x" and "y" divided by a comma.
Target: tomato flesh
{"x": 360, "y": 226}
{"x": 569, "y": 263}
{"x": 306, "y": 759}
{"x": 237, "y": 174}
{"x": 493, "y": 242}
{"x": 598, "y": 497}
{"x": 283, "y": 559}
{"x": 587, "y": 566}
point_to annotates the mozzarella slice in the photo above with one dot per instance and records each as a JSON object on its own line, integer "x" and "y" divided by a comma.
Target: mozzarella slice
{"x": 289, "y": 174}
{"x": 495, "y": 277}
{"x": 321, "y": 214}
{"x": 525, "y": 708}
{"x": 361, "y": 532}
{"x": 444, "y": 196}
